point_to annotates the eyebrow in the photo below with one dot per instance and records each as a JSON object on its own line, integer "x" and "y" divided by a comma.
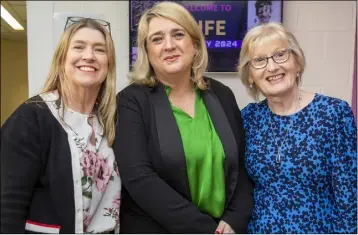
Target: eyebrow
{"x": 161, "y": 32}
{"x": 277, "y": 50}
{"x": 83, "y": 42}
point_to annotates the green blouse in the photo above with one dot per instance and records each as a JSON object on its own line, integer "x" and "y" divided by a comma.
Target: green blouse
{"x": 204, "y": 155}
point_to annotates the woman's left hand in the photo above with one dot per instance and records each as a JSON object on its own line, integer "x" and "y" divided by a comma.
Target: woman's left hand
{"x": 224, "y": 227}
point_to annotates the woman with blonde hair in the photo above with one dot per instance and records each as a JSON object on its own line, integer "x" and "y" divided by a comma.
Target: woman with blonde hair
{"x": 179, "y": 139}
{"x": 301, "y": 147}
{"x": 58, "y": 171}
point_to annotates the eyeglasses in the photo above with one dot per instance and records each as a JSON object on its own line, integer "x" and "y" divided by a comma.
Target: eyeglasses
{"x": 279, "y": 58}
{"x": 71, "y": 20}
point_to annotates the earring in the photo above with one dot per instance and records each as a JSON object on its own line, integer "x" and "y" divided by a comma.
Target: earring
{"x": 250, "y": 85}
{"x": 298, "y": 74}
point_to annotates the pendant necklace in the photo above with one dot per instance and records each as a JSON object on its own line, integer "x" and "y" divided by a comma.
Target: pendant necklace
{"x": 279, "y": 147}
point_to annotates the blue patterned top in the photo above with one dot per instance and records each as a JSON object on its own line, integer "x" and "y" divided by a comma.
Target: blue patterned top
{"x": 312, "y": 188}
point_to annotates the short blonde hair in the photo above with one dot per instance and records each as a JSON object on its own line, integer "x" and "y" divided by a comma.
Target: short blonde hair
{"x": 259, "y": 35}
{"x": 57, "y": 80}
{"x": 142, "y": 72}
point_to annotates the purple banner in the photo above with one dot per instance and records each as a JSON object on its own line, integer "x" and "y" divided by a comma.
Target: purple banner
{"x": 223, "y": 23}
{"x": 223, "y": 44}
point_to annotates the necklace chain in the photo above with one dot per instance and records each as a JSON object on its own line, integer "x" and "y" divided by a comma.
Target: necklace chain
{"x": 80, "y": 143}
{"x": 278, "y": 155}
{"x": 188, "y": 102}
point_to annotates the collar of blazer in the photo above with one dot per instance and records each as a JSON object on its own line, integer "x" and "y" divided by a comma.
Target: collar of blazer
{"x": 171, "y": 145}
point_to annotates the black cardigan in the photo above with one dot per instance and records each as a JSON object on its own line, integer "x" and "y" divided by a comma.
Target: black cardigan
{"x": 149, "y": 152}
{"x": 36, "y": 170}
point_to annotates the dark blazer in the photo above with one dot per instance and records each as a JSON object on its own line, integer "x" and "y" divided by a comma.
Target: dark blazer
{"x": 150, "y": 156}
{"x": 36, "y": 171}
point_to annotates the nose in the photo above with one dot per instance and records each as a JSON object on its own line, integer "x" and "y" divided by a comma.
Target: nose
{"x": 88, "y": 54}
{"x": 272, "y": 66}
{"x": 169, "y": 44}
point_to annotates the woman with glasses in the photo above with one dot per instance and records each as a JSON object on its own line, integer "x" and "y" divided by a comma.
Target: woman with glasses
{"x": 58, "y": 171}
{"x": 301, "y": 147}
{"x": 179, "y": 139}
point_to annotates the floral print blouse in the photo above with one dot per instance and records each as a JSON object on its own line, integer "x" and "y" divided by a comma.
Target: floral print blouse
{"x": 97, "y": 185}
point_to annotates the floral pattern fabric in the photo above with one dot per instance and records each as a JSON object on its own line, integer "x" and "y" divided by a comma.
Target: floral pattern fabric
{"x": 94, "y": 163}
{"x": 313, "y": 188}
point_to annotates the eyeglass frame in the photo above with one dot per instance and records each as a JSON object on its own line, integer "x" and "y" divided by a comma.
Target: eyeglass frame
{"x": 288, "y": 50}
{"x": 70, "y": 19}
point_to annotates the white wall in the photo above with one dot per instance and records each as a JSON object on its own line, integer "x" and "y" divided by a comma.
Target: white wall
{"x": 325, "y": 30}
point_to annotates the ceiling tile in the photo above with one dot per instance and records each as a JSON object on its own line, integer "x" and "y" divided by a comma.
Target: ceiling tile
{"x": 14, "y": 37}
{"x": 21, "y": 11}
{"x": 4, "y": 30}
{"x": 18, "y": 3}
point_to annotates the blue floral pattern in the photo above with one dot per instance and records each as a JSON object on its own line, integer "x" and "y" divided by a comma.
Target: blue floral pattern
{"x": 313, "y": 189}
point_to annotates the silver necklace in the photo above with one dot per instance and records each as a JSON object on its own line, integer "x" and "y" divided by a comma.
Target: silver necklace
{"x": 80, "y": 143}
{"x": 187, "y": 103}
{"x": 279, "y": 147}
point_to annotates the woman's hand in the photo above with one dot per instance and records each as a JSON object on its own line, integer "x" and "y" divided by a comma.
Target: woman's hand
{"x": 224, "y": 227}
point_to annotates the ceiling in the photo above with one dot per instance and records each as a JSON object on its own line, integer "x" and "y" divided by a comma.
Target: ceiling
{"x": 18, "y": 10}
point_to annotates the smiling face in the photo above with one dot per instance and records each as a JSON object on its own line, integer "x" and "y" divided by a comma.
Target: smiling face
{"x": 274, "y": 79}
{"x": 169, "y": 46}
{"x": 86, "y": 63}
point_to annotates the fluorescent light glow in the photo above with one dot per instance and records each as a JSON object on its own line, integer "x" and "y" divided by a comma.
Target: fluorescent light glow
{"x": 10, "y": 19}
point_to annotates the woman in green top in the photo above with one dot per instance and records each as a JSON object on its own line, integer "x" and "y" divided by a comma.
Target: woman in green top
{"x": 179, "y": 137}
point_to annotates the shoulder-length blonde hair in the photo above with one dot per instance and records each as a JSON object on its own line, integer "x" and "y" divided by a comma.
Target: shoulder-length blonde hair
{"x": 105, "y": 107}
{"x": 142, "y": 72}
{"x": 262, "y": 34}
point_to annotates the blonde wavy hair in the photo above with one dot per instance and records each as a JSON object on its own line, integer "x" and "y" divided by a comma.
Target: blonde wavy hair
{"x": 105, "y": 107}
{"x": 262, "y": 34}
{"x": 142, "y": 72}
